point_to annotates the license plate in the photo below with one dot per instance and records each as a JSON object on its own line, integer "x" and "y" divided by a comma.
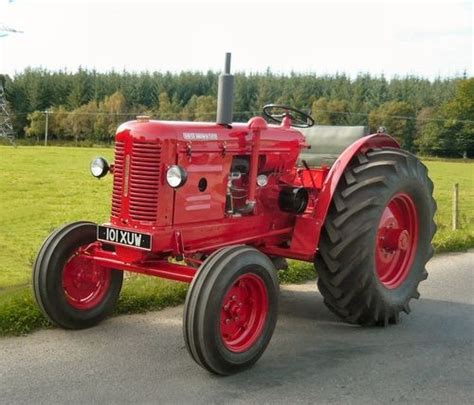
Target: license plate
{"x": 125, "y": 238}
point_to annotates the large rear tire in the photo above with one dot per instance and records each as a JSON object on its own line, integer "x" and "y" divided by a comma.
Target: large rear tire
{"x": 231, "y": 310}
{"x": 377, "y": 237}
{"x": 74, "y": 292}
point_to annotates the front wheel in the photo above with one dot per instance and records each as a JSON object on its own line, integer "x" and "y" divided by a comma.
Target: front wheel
{"x": 231, "y": 309}
{"x": 72, "y": 291}
{"x": 377, "y": 237}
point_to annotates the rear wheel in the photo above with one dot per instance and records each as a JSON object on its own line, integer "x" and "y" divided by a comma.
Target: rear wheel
{"x": 377, "y": 238}
{"x": 72, "y": 291}
{"x": 231, "y": 310}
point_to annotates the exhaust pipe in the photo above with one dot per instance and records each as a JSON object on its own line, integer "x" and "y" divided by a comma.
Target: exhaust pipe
{"x": 225, "y": 95}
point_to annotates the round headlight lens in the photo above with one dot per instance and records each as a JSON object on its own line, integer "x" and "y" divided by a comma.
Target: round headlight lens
{"x": 99, "y": 167}
{"x": 176, "y": 176}
{"x": 262, "y": 180}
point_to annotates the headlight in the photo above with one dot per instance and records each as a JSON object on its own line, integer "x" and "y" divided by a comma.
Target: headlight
{"x": 176, "y": 176}
{"x": 99, "y": 167}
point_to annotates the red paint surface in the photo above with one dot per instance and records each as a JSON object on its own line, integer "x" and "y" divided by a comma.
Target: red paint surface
{"x": 243, "y": 313}
{"x": 85, "y": 283}
{"x": 397, "y": 239}
{"x": 96, "y": 257}
{"x": 189, "y": 221}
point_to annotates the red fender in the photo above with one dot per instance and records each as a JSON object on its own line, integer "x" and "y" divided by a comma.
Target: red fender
{"x": 329, "y": 186}
{"x": 307, "y": 230}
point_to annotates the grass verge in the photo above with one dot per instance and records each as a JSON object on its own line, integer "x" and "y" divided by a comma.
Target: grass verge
{"x": 19, "y": 313}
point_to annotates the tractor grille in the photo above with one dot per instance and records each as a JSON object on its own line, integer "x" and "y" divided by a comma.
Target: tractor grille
{"x": 118, "y": 178}
{"x": 143, "y": 182}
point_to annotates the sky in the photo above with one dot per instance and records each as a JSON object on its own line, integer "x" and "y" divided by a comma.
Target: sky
{"x": 426, "y": 38}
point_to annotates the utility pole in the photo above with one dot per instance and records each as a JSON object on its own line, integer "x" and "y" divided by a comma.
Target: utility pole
{"x": 6, "y": 127}
{"x": 46, "y": 128}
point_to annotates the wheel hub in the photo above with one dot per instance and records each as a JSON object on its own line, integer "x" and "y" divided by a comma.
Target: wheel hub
{"x": 85, "y": 283}
{"x": 397, "y": 239}
{"x": 244, "y": 312}
{"x": 394, "y": 239}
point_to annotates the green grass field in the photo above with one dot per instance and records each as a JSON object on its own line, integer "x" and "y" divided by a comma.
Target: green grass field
{"x": 43, "y": 188}
{"x": 444, "y": 174}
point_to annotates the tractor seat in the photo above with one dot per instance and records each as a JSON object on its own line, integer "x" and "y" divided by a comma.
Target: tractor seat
{"x": 328, "y": 142}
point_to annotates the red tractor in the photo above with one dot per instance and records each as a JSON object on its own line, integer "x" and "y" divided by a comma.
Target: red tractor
{"x": 219, "y": 205}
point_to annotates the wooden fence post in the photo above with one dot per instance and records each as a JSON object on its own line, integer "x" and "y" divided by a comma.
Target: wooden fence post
{"x": 455, "y": 206}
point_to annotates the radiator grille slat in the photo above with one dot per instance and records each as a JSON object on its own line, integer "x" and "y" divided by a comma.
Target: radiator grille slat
{"x": 144, "y": 180}
{"x": 118, "y": 178}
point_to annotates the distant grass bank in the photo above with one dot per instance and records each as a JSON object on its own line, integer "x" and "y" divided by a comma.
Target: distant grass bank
{"x": 43, "y": 188}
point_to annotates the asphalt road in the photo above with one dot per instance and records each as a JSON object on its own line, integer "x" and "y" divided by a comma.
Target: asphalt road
{"x": 313, "y": 357}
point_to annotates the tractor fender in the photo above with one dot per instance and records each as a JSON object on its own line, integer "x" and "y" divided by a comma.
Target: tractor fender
{"x": 330, "y": 183}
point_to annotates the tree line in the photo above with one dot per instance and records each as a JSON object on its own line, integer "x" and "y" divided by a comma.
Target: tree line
{"x": 432, "y": 117}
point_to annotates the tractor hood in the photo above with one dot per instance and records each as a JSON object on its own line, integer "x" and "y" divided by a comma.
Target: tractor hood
{"x": 234, "y": 136}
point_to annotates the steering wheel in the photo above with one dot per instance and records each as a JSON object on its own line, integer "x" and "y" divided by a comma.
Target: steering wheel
{"x": 277, "y": 113}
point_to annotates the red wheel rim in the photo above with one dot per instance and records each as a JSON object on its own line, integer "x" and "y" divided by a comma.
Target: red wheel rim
{"x": 85, "y": 283}
{"x": 397, "y": 240}
{"x": 244, "y": 312}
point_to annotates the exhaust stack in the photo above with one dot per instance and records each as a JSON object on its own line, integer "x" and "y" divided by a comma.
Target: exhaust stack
{"x": 225, "y": 94}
